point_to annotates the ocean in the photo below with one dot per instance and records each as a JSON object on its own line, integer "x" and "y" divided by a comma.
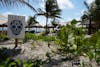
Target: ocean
{"x": 35, "y": 29}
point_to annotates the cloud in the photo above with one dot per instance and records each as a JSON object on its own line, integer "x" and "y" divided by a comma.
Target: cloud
{"x": 5, "y": 15}
{"x": 89, "y": 1}
{"x": 77, "y": 18}
{"x": 81, "y": 12}
{"x": 63, "y": 4}
{"x": 69, "y": 19}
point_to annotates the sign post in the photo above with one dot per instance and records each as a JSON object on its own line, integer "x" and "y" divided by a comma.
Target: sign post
{"x": 16, "y": 27}
{"x": 16, "y": 43}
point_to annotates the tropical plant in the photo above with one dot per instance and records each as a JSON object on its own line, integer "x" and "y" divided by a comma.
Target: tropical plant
{"x": 55, "y": 23}
{"x": 66, "y": 36}
{"x": 88, "y": 16}
{"x": 18, "y": 63}
{"x": 95, "y": 11}
{"x": 30, "y": 36}
{"x": 73, "y": 40}
{"x": 31, "y": 21}
{"x": 3, "y": 37}
{"x": 51, "y": 11}
{"x": 11, "y": 3}
{"x": 92, "y": 14}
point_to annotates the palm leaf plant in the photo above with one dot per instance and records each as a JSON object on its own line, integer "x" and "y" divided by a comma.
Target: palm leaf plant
{"x": 93, "y": 15}
{"x": 11, "y": 3}
{"x": 51, "y": 11}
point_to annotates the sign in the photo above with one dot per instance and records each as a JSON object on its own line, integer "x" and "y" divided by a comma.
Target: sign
{"x": 16, "y": 26}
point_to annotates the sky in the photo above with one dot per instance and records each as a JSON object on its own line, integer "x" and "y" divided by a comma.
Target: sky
{"x": 71, "y": 9}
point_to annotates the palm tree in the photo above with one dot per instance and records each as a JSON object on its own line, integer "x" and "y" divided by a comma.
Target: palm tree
{"x": 9, "y": 3}
{"x": 51, "y": 11}
{"x": 93, "y": 14}
{"x": 31, "y": 21}
{"x": 95, "y": 11}
{"x": 88, "y": 16}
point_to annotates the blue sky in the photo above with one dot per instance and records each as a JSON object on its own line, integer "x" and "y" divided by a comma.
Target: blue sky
{"x": 71, "y": 9}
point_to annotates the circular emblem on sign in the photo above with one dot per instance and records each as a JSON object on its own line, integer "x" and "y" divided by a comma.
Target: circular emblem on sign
{"x": 16, "y": 27}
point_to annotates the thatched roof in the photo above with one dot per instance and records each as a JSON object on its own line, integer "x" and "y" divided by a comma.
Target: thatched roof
{"x": 49, "y": 26}
{"x": 3, "y": 23}
{"x": 3, "y": 16}
{"x": 36, "y": 25}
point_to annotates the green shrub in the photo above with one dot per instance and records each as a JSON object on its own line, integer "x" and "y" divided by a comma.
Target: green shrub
{"x": 17, "y": 63}
{"x": 70, "y": 36}
{"x": 3, "y": 54}
{"x": 48, "y": 38}
{"x": 3, "y": 37}
{"x": 71, "y": 39}
{"x": 29, "y": 36}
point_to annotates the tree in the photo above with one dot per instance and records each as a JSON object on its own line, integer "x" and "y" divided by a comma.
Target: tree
{"x": 88, "y": 16}
{"x": 51, "y": 11}
{"x": 93, "y": 14}
{"x": 31, "y": 21}
{"x": 95, "y": 11}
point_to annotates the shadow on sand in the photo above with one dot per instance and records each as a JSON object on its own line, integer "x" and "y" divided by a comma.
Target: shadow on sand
{"x": 8, "y": 53}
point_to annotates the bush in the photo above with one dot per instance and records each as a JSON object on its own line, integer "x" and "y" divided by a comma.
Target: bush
{"x": 3, "y": 37}
{"x": 71, "y": 39}
{"x": 29, "y": 36}
{"x": 3, "y": 54}
{"x": 17, "y": 63}
{"x": 48, "y": 38}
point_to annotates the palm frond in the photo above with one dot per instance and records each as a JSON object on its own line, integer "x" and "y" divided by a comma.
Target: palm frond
{"x": 12, "y": 3}
{"x": 8, "y": 3}
{"x": 29, "y": 5}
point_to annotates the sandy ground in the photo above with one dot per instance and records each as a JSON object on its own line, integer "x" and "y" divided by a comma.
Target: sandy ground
{"x": 38, "y": 50}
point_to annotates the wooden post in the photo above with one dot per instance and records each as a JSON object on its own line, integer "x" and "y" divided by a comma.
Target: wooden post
{"x": 16, "y": 43}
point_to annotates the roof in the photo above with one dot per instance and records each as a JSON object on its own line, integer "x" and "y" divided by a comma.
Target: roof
{"x": 64, "y": 23}
{"x": 49, "y": 26}
{"x": 36, "y": 25}
{"x": 3, "y": 22}
{"x": 3, "y": 16}
{"x": 87, "y": 22}
{"x": 3, "y": 19}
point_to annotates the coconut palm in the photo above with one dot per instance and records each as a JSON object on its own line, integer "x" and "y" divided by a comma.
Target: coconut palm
{"x": 93, "y": 14}
{"x": 88, "y": 16}
{"x": 51, "y": 11}
{"x": 95, "y": 11}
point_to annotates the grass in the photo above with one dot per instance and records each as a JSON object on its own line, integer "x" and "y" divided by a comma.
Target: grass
{"x": 30, "y": 36}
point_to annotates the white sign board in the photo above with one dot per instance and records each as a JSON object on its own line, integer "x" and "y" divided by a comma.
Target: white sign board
{"x": 16, "y": 26}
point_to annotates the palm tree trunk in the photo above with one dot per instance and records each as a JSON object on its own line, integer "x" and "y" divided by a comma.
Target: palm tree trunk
{"x": 89, "y": 29}
{"x": 29, "y": 28}
{"x": 46, "y": 25}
